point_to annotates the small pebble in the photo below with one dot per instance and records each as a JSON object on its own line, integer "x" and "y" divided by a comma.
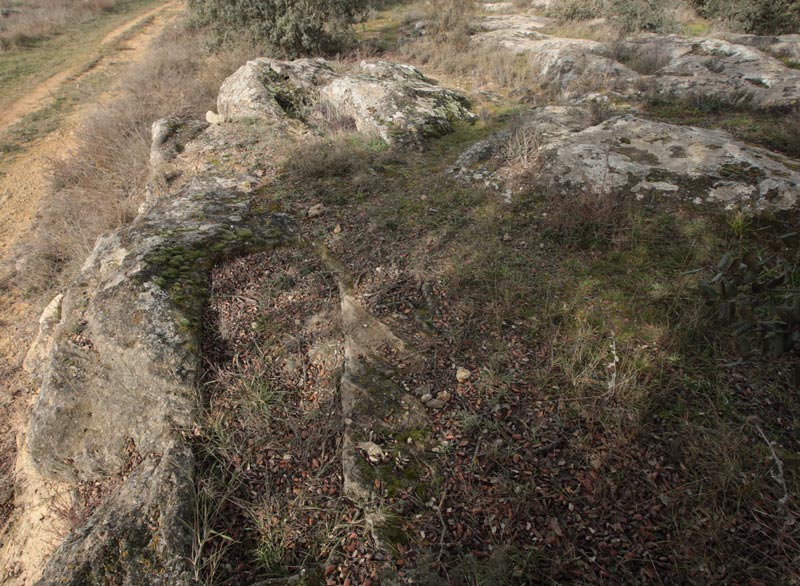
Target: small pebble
{"x": 462, "y": 374}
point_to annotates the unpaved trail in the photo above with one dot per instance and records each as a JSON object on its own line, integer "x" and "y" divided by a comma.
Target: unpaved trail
{"x": 38, "y": 96}
{"x": 36, "y": 526}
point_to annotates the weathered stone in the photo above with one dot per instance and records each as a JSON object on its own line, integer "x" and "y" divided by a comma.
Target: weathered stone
{"x": 395, "y": 103}
{"x": 646, "y": 158}
{"x": 269, "y": 89}
{"x": 42, "y": 345}
{"x": 316, "y": 210}
{"x": 435, "y": 404}
{"x": 169, "y": 137}
{"x": 118, "y": 358}
{"x": 683, "y": 67}
{"x": 719, "y": 69}
{"x": 392, "y": 101}
{"x": 462, "y": 374}
{"x": 142, "y": 535}
{"x": 782, "y": 46}
{"x": 214, "y": 118}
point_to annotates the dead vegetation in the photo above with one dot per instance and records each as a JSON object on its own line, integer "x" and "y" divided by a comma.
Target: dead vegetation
{"x": 598, "y": 435}
{"x": 100, "y": 185}
{"x": 25, "y": 23}
{"x": 607, "y": 434}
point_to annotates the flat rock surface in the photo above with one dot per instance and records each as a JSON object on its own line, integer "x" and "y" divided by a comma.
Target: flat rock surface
{"x": 740, "y": 67}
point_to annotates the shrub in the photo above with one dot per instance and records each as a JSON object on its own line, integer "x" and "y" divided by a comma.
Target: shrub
{"x": 762, "y": 17}
{"x": 642, "y": 15}
{"x": 628, "y": 15}
{"x": 290, "y": 27}
{"x": 576, "y": 9}
{"x": 756, "y": 297}
{"x": 449, "y": 20}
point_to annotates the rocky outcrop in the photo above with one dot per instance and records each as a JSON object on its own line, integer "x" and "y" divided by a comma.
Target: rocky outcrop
{"x": 118, "y": 358}
{"x": 142, "y": 534}
{"x": 719, "y": 69}
{"x": 393, "y": 102}
{"x": 118, "y": 352}
{"x": 782, "y": 46}
{"x": 662, "y": 160}
{"x": 744, "y": 67}
{"x": 627, "y": 154}
{"x": 267, "y": 89}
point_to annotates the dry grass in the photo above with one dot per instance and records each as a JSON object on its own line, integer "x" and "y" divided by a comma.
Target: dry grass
{"x": 646, "y": 59}
{"x": 99, "y": 186}
{"x": 449, "y": 20}
{"x": 482, "y": 64}
{"x": 24, "y": 23}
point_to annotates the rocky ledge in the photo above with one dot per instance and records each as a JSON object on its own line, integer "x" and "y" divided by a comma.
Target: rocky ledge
{"x": 118, "y": 352}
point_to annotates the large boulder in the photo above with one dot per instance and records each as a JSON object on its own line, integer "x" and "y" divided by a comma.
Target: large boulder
{"x": 783, "y": 46}
{"x": 270, "y": 89}
{"x": 720, "y": 69}
{"x": 394, "y": 102}
{"x": 653, "y": 158}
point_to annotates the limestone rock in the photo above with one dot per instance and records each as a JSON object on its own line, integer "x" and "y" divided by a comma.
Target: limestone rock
{"x": 315, "y": 211}
{"x": 118, "y": 358}
{"x": 782, "y": 46}
{"x": 214, "y": 118}
{"x": 654, "y": 159}
{"x": 168, "y": 139}
{"x": 140, "y": 535}
{"x": 127, "y": 330}
{"x": 269, "y": 89}
{"x": 744, "y": 65}
{"x": 42, "y": 345}
{"x": 392, "y": 101}
{"x": 717, "y": 68}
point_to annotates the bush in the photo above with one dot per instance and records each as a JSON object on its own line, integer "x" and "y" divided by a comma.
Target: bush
{"x": 642, "y": 15}
{"x": 628, "y": 15}
{"x": 576, "y": 9}
{"x": 761, "y": 17}
{"x": 450, "y": 20}
{"x": 290, "y": 27}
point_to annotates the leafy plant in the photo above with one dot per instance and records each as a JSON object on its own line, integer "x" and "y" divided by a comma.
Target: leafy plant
{"x": 763, "y": 17}
{"x": 642, "y": 15}
{"x": 291, "y": 27}
{"x": 576, "y": 9}
{"x": 755, "y": 298}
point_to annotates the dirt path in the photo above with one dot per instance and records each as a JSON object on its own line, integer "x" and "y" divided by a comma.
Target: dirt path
{"x": 37, "y": 97}
{"x": 34, "y": 530}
